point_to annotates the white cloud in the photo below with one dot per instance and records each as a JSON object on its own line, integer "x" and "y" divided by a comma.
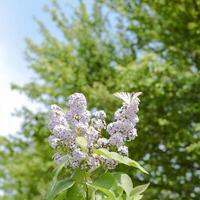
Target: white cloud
{"x": 9, "y": 99}
{"x": 15, "y": 24}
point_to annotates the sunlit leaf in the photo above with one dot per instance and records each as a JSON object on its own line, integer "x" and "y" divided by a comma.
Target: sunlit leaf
{"x": 124, "y": 181}
{"x": 138, "y": 190}
{"x": 109, "y": 193}
{"x": 57, "y": 170}
{"x": 58, "y": 187}
{"x": 106, "y": 183}
{"x": 119, "y": 158}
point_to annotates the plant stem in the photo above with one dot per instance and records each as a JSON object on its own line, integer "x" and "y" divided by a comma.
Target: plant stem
{"x": 87, "y": 191}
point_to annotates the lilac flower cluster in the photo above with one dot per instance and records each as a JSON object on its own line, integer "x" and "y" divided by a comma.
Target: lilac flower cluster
{"x": 78, "y": 122}
{"x": 123, "y": 128}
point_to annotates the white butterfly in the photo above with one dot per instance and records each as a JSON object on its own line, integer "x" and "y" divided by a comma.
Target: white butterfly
{"x": 128, "y": 98}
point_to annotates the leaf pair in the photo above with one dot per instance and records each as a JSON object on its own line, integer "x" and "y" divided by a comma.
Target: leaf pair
{"x": 108, "y": 187}
{"x": 136, "y": 193}
{"x": 132, "y": 193}
{"x": 116, "y": 186}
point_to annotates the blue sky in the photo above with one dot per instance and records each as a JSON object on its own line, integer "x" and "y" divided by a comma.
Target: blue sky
{"x": 16, "y": 23}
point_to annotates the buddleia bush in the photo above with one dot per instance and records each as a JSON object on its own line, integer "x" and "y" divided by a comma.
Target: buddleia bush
{"x": 90, "y": 149}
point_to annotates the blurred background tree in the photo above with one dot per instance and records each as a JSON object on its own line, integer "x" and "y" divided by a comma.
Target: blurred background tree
{"x": 108, "y": 46}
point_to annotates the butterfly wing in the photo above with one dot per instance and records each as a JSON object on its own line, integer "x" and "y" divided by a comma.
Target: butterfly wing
{"x": 126, "y": 97}
{"x": 134, "y": 96}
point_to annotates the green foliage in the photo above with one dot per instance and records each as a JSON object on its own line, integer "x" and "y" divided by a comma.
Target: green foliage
{"x": 58, "y": 186}
{"x": 102, "y": 51}
{"x": 169, "y": 28}
{"x": 124, "y": 182}
{"x": 81, "y": 185}
{"x": 119, "y": 158}
{"x": 136, "y": 192}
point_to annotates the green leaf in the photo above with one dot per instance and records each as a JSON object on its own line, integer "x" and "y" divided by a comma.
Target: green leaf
{"x": 137, "y": 197}
{"x": 106, "y": 183}
{"x": 63, "y": 185}
{"x": 119, "y": 158}
{"x": 54, "y": 182}
{"x": 80, "y": 176}
{"x": 107, "y": 180}
{"x": 57, "y": 170}
{"x": 82, "y": 142}
{"x": 137, "y": 191}
{"x": 61, "y": 196}
{"x": 58, "y": 187}
{"x": 109, "y": 193}
{"x": 76, "y": 192}
{"x": 124, "y": 182}
{"x": 99, "y": 195}
{"x": 93, "y": 195}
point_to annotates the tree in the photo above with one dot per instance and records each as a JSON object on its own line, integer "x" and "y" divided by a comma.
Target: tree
{"x": 108, "y": 49}
{"x": 169, "y": 28}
